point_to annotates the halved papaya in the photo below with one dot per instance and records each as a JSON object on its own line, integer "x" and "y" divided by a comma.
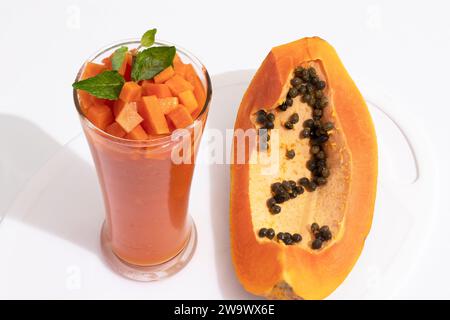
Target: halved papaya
{"x": 298, "y": 230}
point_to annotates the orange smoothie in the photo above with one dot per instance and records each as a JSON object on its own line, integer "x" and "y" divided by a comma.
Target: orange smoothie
{"x": 135, "y": 116}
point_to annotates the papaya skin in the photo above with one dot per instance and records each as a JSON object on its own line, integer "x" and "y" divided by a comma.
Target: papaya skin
{"x": 290, "y": 272}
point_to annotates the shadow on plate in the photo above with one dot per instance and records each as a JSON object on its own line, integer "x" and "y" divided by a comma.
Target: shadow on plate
{"x": 25, "y": 148}
{"x": 68, "y": 208}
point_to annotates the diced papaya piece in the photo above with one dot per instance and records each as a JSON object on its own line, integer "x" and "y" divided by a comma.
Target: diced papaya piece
{"x": 178, "y": 84}
{"x": 86, "y": 100}
{"x": 128, "y": 117}
{"x": 164, "y": 75}
{"x": 131, "y": 91}
{"x": 188, "y": 99}
{"x": 177, "y": 59}
{"x": 180, "y": 117}
{"x": 160, "y": 90}
{"x": 199, "y": 90}
{"x": 180, "y": 68}
{"x": 92, "y": 69}
{"x": 100, "y": 115}
{"x": 116, "y": 130}
{"x": 146, "y": 82}
{"x": 168, "y": 104}
{"x": 137, "y": 133}
{"x": 107, "y": 63}
{"x": 154, "y": 119}
{"x": 119, "y": 104}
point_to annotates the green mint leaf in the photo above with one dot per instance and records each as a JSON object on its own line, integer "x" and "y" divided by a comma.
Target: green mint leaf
{"x": 106, "y": 85}
{"x": 148, "y": 39}
{"x": 118, "y": 57}
{"x": 151, "y": 61}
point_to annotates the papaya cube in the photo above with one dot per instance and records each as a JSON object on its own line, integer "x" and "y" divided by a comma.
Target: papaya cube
{"x": 188, "y": 99}
{"x": 177, "y": 59}
{"x": 168, "y": 104}
{"x": 180, "y": 68}
{"x": 107, "y": 63}
{"x": 180, "y": 117}
{"x": 178, "y": 84}
{"x": 92, "y": 69}
{"x": 100, "y": 115}
{"x": 160, "y": 90}
{"x": 137, "y": 133}
{"x": 116, "y": 130}
{"x": 194, "y": 80}
{"x": 164, "y": 75}
{"x": 86, "y": 100}
{"x": 128, "y": 117}
{"x": 118, "y": 106}
{"x": 146, "y": 82}
{"x": 131, "y": 91}
{"x": 154, "y": 119}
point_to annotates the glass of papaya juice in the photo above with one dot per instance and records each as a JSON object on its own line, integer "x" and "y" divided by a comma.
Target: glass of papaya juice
{"x": 144, "y": 144}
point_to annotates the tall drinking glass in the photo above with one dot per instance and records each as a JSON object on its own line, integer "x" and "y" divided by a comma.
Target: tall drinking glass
{"x": 147, "y": 234}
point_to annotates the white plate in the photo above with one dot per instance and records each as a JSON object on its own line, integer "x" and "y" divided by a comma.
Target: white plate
{"x": 49, "y": 238}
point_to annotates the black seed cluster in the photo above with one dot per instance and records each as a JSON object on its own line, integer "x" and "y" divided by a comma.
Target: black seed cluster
{"x": 310, "y": 186}
{"x": 318, "y": 135}
{"x": 285, "y": 237}
{"x": 282, "y": 192}
{"x": 268, "y": 233}
{"x": 265, "y": 120}
{"x": 289, "y": 239}
{"x": 293, "y": 119}
{"x": 306, "y": 85}
{"x": 309, "y": 87}
{"x": 320, "y": 235}
{"x": 311, "y": 90}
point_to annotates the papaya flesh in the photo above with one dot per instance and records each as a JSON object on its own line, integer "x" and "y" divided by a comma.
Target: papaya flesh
{"x": 264, "y": 265}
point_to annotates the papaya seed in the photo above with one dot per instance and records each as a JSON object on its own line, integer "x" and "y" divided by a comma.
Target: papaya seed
{"x": 283, "y": 106}
{"x": 294, "y": 118}
{"x": 304, "y": 182}
{"x": 275, "y": 209}
{"x": 296, "y": 81}
{"x": 308, "y": 123}
{"x": 288, "y": 125}
{"x": 262, "y": 232}
{"x": 270, "y": 233}
{"x": 290, "y": 154}
{"x": 316, "y": 244}
{"x": 296, "y": 237}
{"x": 314, "y": 227}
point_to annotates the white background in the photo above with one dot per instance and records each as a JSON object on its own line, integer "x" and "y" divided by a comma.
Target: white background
{"x": 398, "y": 49}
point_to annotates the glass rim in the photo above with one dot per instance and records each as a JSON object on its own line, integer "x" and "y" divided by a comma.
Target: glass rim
{"x": 156, "y": 140}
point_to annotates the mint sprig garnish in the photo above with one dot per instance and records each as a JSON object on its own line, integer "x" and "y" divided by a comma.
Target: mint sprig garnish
{"x": 146, "y": 64}
{"x": 106, "y": 85}
{"x": 118, "y": 57}
{"x": 148, "y": 38}
{"x": 149, "y": 62}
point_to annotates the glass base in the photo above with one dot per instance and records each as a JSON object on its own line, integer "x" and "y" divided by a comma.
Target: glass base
{"x": 150, "y": 273}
